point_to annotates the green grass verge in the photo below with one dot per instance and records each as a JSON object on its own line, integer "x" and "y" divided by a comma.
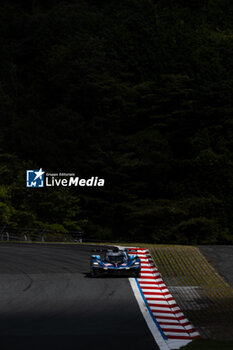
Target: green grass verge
{"x": 202, "y": 294}
{"x": 204, "y": 344}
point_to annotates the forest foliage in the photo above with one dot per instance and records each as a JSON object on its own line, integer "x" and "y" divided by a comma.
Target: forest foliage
{"x": 136, "y": 92}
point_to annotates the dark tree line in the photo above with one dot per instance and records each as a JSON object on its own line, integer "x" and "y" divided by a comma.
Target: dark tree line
{"x": 136, "y": 92}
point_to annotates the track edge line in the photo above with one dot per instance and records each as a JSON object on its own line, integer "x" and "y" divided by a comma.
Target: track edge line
{"x": 155, "y": 331}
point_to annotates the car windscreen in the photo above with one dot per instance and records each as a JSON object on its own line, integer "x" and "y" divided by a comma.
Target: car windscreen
{"x": 116, "y": 258}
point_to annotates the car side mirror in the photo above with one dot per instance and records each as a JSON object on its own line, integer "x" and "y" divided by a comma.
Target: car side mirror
{"x": 95, "y": 256}
{"x": 133, "y": 257}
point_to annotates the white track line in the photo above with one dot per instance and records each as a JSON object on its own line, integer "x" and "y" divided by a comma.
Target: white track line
{"x": 150, "y": 323}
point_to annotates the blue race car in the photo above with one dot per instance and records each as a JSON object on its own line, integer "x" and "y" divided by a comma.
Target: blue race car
{"x": 115, "y": 262}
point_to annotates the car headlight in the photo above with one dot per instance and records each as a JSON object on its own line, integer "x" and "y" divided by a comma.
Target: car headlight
{"x": 137, "y": 263}
{"x": 95, "y": 263}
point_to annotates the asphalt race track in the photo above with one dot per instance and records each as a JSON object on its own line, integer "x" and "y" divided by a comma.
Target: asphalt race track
{"x": 48, "y": 300}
